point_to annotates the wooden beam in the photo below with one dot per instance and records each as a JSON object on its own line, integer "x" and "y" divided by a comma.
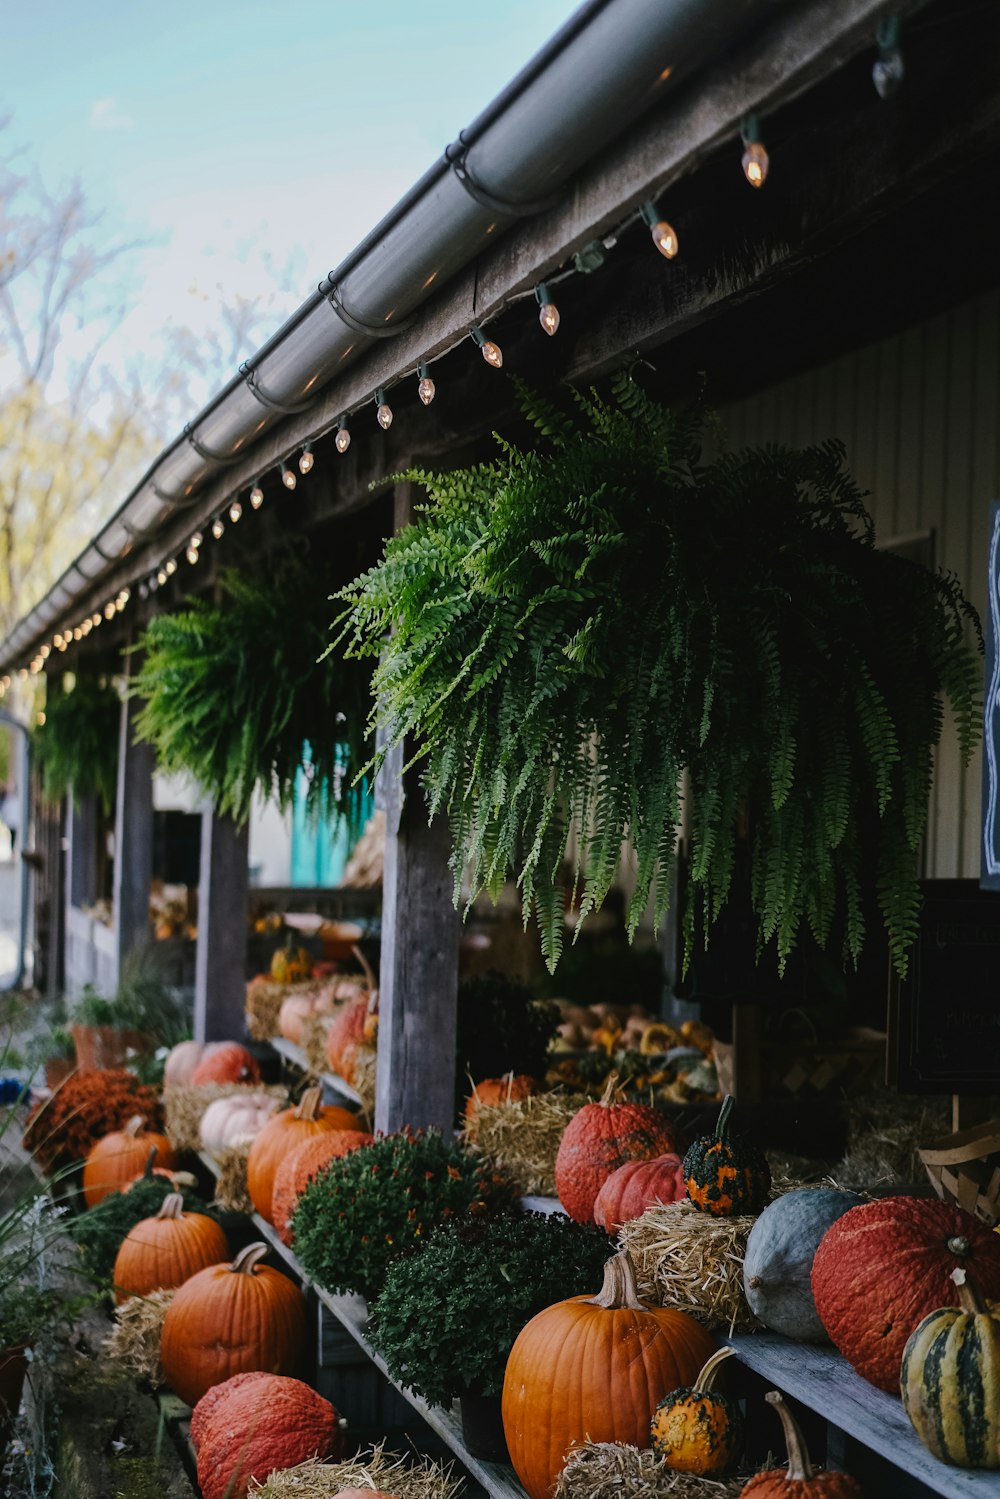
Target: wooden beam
{"x": 81, "y": 850}
{"x": 221, "y": 952}
{"x": 133, "y": 870}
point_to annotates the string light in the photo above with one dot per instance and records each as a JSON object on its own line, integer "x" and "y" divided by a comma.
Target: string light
{"x": 383, "y": 411}
{"x": 342, "y": 441}
{"x": 548, "y": 312}
{"x": 256, "y": 495}
{"x": 45, "y": 652}
{"x": 144, "y": 591}
{"x": 663, "y": 235}
{"x": 192, "y": 554}
{"x": 77, "y": 634}
{"x": 888, "y": 69}
{"x": 491, "y": 352}
{"x": 218, "y": 526}
{"x": 288, "y": 478}
{"x": 426, "y": 389}
{"x": 170, "y": 567}
{"x": 125, "y": 594}
{"x": 57, "y": 641}
{"x": 235, "y": 511}
{"x": 119, "y": 605}
{"x": 88, "y": 623}
{"x": 196, "y": 540}
{"x": 161, "y": 577}
{"x": 306, "y": 459}
{"x": 95, "y": 618}
{"x": 755, "y": 159}
{"x": 22, "y": 675}
{"x": 40, "y": 717}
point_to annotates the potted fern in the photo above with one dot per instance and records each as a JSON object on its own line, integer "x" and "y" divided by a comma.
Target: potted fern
{"x": 77, "y": 744}
{"x": 569, "y": 628}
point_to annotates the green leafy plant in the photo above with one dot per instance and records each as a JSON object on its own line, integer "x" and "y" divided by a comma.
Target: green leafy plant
{"x": 447, "y": 1316}
{"x": 77, "y": 745}
{"x": 500, "y": 1028}
{"x": 236, "y": 696}
{"x": 569, "y": 628}
{"x": 364, "y": 1209}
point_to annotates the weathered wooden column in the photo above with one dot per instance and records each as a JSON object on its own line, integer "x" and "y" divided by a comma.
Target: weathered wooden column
{"x": 133, "y": 835}
{"x": 418, "y": 977}
{"x": 81, "y": 850}
{"x": 221, "y": 953}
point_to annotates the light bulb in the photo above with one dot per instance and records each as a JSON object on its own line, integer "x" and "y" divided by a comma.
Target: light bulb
{"x": 235, "y": 511}
{"x": 192, "y": 555}
{"x": 288, "y": 478}
{"x": 755, "y": 163}
{"x": 45, "y": 652}
{"x": 492, "y": 353}
{"x": 196, "y": 540}
{"x": 95, "y": 618}
{"x": 218, "y": 526}
{"x": 548, "y": 316}
{"x": 384, "y": 415}
{"x": 256, "y": 497}
{"x": 57, "y": 641}
{"x": 77, "y": 633}
{"x": 306, "y": 460}
{"x": 40, "y": 717}
{"x": 664, "y": 237}
{"x": 170, "y": 567}
{"x": 22, "y": 675}
{"x": 161, "y": 577}
{"x": 342, "y": 441}
{"x": 119, "y": 605}
{"x": 426, "y": 389}
{"x": 125, "y": 594}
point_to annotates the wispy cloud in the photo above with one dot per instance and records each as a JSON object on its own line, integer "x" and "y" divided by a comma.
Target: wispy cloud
{"x": 106, "y": 115}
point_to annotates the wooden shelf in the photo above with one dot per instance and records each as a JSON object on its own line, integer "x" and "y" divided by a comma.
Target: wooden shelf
{"x": 330, "y": 1080}
{"x": 350, "y": 1311}
{"x": 823, "y": 1381}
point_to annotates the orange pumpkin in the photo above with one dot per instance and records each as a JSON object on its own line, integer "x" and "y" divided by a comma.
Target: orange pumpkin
{"x": 297, "y": 1170}
{"x": 592, "y": 1369}
{"x": 510, "y": 1088}
{"x": 227, "y": 1063}
{"x": 294, "y": 1012}
{"x": 164, "y": 1251}
{"x": 281, "y": 1134}
{"x": 634, "y": 1187}
{"x": 602, "y": 1137}
{"x": 800, "y": 1481}
{"x": 696, "y": 1429}
{"x": 231, "y": 1319}
{"x": 120, "y": 1157}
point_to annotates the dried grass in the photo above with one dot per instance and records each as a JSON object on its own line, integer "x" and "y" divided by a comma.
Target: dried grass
{"x": 687, "y": 1259}
{"x": 521, "y": 1138}
{"x": 314, "y": 1032}
{"x": 231, "y": 1191}
{"x": 363, "y": 1081}
{"x": 884, "y": 1132}
{"x": 405, "y": 1477}
{"x": 609, "y": 1470}
{"x": 183, "y": 1108}
{"x": 134, "y": 1341}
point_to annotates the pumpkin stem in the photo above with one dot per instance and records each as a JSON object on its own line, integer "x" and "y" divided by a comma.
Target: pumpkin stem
{"x": 800, "y": 1469}
{"x": 172, "y": 1206}
{"x": 610, "y": 1088}
{"x": 249, "y": 1258}
{"x": 722, "y": 1124}
{"x": 706, "y": 1379}
{"x": 366, "y": 967}
{"x": 958, "y": 1245}
{"x": 148, "y": 1173}
{"x": 308, "y": 1104}
{"x": 969, "y": 1294}
{"x": 619, "y": 1288}
{"x": 134, "y": 1126}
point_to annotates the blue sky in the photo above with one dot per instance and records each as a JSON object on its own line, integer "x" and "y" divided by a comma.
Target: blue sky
{"x": 220, "y": 134}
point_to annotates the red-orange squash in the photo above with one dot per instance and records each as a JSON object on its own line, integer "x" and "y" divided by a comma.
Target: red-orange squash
{"x": 227, "y": 1063}
{"x": 801, "y": 1481}
{"x": 602, "y": 1137}
{"x": 164, "y": 1251}
{"x": 282, "y": 1134}
{"x": 297, "y": 1170}
{"x": 212, "y": 1398}
{"x": 511, "y": 1088}
{"x": 120, "y": 1157}
{"x": 884, "y": 1266}
{"x": 592, "y": 1369}
{"x": 255, "y": 1426}
{"x": 634, "y": 1187}
{"x": 353, "y": 1028}
{"x": 182, "y": 1060}
{"x": 230, "y": 1319}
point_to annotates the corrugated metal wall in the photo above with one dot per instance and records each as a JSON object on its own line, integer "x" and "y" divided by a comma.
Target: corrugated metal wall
{"x": 920, "y": 417}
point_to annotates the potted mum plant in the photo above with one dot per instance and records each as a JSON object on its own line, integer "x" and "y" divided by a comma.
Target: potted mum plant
{"x": 447, "y": 1316}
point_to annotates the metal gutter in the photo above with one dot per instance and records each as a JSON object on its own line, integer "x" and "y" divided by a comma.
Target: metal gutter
{"x": 604, "y": 68}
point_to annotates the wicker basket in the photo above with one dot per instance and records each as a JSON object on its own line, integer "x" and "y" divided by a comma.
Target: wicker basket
{"x": 965, "y": 1169}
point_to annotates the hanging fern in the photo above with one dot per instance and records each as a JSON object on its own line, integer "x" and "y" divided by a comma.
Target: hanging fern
{"x": 568, "y": 628}
{"x": 235, "y": 695}
{"x": 77, "y": 745}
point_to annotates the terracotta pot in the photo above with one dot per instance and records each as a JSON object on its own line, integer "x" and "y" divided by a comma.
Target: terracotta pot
{"x": 482, "y": 1427}
{"x": 13, "y": 1367}
{"x": 57, "y": 1070}
{"x": 100, "y": 1046}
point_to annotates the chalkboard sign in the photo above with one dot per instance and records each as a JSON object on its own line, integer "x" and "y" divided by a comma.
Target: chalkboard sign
{"x": 990, "y": 864}
{"x": 945, "y": 1015}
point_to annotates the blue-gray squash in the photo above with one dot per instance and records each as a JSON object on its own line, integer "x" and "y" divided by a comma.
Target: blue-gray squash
{"x": 779, "y": 1258}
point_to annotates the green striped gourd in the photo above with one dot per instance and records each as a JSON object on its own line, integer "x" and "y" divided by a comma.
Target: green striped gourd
{"x": 950, "y": 1381}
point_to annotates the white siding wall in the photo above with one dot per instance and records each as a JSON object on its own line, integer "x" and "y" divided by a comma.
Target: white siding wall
{"x": 920, "y": 418}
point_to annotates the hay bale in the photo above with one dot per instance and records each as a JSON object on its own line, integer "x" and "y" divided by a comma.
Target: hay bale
{"x": 231, "y": 1191}
{"x": 612, "y": 1470}
{"x": 134, "y": 1341}
{"x": 183, "y": 1108}
{"x": 885, "y": 1131}
{"x": 314, "y": 1031}
{"x": 690, "y": 1260}
{"x": 264, "y": 998}
{"x": 363, "y": 1081}
{"x": 520, "y": 1139}
{"x": 412, "y": 1477}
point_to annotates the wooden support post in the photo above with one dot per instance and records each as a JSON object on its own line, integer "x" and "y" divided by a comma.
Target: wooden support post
{"x": 133, "y": 872}
{"x": 221, "y": 953}
{"x": 81, "y": 850}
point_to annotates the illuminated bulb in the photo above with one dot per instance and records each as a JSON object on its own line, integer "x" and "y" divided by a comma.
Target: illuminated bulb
{"x": 306, "y": 460}
{"x": 161, "y": 577}
{"x": 35, "y": 668}
{"x": 119, "y": 605}
{"x": 196, "y": 540}
{"x": 235, "y": 511}
{"x": 192, "y": 555}
{"x": 492, "y": 353}
{"x": 126, "y": 594}
{"x": 256, "y": 497}
{"x": 426, "y": 389}
{"x": 755, "y": 158}
{"x": 664, "y": 237}
{"x": 77, "y": 634}
{"x": 57, "y": 641}
{"x": 342, "y": 441}
{"x": 170, "y": 567}
{"x": 288, "y": 478}
{"x": 96, "y": 619}
{"x": 548, "y": 312}
{"x": 218, "y": 526}
{"x": 384, "y": 415}
{"x": 40, "y": 717}
{"x": 45, "y": 652}
{"x": 22, "y": 674}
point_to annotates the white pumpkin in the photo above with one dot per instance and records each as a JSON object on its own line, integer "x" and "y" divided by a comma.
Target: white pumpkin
{"x": 236, "y": 1119}
{"x": 777, "y": 1266}
{"x": 183, "y": 1059}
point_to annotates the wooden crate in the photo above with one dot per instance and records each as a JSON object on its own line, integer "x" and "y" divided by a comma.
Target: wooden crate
{"x": 964, "y": 1168}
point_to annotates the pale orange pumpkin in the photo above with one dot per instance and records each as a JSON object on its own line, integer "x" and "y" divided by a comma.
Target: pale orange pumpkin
{"x": 164, "y": 1251}
{"x": 118, "y": 1158}
{"x": 592, "y": 1369}
{"x": 231, "y": 1319}
{"x": 281, "y": 1135}
{"x": 511, "y": 1088}
{"x": 297, "y": 1170}
{"x": 228, "y": 1062}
